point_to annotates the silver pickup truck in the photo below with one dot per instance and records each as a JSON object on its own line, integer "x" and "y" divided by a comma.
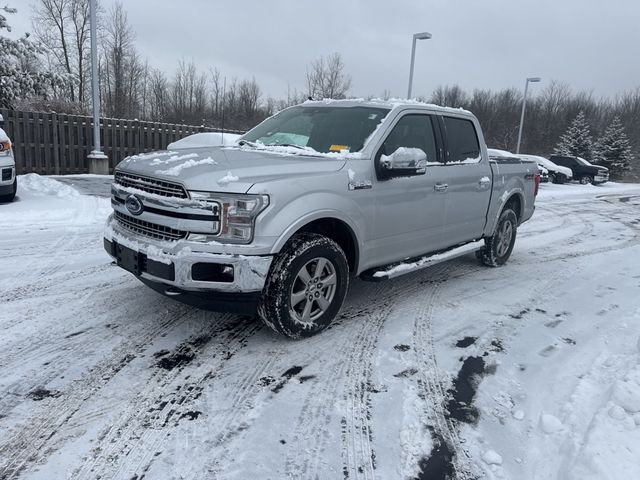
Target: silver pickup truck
{"x": 320, "y": 193}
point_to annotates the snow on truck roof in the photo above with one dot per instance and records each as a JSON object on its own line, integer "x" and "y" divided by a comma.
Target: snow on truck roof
{"x": 391, "y": 104}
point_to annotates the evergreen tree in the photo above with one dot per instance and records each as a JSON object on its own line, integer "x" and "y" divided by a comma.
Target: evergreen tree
{"x": 19, "y": 67}
{"x": 613, "y": 149}
{"x": 576, "y": 141}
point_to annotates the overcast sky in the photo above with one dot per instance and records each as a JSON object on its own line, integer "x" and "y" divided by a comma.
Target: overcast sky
{"x": 592, "y": 45}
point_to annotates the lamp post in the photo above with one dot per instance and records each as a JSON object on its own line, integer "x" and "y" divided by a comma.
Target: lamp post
{"x": 98, "y": 161}
{"x": 417, "y": 36}
{"x": 524, "y": 106}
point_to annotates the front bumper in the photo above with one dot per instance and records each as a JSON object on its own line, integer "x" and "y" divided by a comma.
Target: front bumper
{"x": 179, "y": 266}
{"x": 601, "y": 178}
{"x": 7, "y": 176}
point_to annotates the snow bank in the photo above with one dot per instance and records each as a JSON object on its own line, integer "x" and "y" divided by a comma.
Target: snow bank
{"x": 33, "y": 184}
{"x": 43, "y": 202}
{"x": 206, "y": 139}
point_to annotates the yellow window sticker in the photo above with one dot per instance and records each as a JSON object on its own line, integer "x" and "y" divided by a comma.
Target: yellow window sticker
{"x": 338, "y": 148}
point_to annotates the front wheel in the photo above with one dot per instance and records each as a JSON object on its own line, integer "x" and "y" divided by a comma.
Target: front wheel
{"x": 586, "y": 180}
{"x": 497, "y": 248}
{"x": 306, "y": 287}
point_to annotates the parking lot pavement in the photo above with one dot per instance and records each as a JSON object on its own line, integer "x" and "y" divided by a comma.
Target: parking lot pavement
{"x": 524, "y": 371}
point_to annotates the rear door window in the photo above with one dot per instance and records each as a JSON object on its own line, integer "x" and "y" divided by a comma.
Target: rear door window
{"x": 462, "y": 141}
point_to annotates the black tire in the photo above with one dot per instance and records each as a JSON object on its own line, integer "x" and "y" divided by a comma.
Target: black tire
{"x": 559, "y": 179}
{"x": 9, "y": 198}
{"x": 495, "y": 252}
{"x": 304, "y": 251}
{"x": 586, "y": 180}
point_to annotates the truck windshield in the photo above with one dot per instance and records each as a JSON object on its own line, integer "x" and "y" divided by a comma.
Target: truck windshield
{"x": 583, "y": 162}
{"x": 323, "y": 129}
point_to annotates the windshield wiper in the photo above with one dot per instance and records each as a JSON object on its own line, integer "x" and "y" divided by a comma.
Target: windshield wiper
{"x": 242, "y": 143}
{"x": 286, "y": 145}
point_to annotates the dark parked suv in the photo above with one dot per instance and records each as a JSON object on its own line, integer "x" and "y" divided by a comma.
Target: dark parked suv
{"x": 582, "y": 170}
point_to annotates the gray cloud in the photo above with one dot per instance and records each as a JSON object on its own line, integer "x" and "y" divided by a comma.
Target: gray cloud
{"x": 477, "y": 44}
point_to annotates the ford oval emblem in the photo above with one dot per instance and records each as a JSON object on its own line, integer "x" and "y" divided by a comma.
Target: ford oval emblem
{"x": 134, "y": 205}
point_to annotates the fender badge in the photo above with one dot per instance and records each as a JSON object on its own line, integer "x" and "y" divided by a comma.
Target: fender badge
{"x": 360, "y": 185}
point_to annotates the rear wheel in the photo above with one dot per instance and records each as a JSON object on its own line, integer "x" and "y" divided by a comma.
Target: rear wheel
{"x": 12, "y": 195}
{"x": 306, "y": 287}
{"x": 586, "y": 179}
{"x": 497, "y": 248}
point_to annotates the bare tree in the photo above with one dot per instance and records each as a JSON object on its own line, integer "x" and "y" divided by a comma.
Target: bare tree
{"x": 122, "y": 69}
{"x": 62, "y": 27}
{"x": 326, "y": 78}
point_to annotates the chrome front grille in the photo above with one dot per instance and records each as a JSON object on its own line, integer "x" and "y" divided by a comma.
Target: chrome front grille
{"x": 148, "y": 229}
{"x": 150, "y": 185}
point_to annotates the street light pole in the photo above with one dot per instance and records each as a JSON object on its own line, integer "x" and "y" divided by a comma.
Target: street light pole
{"x": 98, "y": 161}
{"x": 417, "y": 36}
{"x": 524, "y": 106}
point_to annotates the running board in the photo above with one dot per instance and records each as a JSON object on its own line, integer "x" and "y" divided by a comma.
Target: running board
{"x": 397, "y": 269}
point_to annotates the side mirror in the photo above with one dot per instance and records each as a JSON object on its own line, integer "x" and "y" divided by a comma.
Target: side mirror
{"x": 404, "y": 162}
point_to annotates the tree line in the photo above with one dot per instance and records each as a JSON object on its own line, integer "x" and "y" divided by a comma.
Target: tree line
{"x": 558, "y": 120}
{"x": 58, "y": 66}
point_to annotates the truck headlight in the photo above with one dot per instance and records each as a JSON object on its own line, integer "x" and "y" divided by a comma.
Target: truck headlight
{"x": 237, "y": 216}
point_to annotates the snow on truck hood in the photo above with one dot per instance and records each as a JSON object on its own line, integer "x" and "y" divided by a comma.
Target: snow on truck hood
{"x": 229, "y": 170}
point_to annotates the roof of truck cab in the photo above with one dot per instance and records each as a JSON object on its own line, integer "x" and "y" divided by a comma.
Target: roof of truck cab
{"x": 390, "y": 104}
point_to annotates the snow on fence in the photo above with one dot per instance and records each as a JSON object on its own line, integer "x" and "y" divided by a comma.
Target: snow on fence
{"x": 58, "y": 144}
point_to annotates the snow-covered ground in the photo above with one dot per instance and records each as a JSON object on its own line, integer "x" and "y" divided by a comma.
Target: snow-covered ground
{"x": 528, "y": 371}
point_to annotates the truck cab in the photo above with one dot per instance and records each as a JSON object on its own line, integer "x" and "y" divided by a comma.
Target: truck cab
{"x": 320, "y": 193}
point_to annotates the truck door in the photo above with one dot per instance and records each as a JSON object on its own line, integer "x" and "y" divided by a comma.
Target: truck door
{"x": 409, "y": 210}
{"x": 469, "y": 181}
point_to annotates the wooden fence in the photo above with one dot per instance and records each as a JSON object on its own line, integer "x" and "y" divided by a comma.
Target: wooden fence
{"x": 58, "y": 144}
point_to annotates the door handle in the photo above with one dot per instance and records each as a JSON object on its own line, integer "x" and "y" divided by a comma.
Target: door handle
{"x": 484, "y": 182}
{"x": 440, "y": 187}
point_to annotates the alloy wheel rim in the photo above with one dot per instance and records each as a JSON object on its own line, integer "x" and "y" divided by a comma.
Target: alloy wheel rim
{"x": 313, "y": 290}
{"x": 505, "y": 234}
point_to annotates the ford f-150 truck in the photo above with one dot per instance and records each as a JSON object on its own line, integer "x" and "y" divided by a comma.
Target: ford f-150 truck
{"x": 320, "y": 193}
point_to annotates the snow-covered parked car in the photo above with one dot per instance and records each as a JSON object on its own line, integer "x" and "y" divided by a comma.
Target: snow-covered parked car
{"x": 503, "y": 155}
{"x": 557, "y": 173}
{"x": 8, "y": 179}
{"x": 204, "y": 139}
{"x": 318, "y": 194}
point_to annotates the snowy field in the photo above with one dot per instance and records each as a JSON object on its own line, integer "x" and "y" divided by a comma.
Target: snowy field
{"x": 529, "y": 371}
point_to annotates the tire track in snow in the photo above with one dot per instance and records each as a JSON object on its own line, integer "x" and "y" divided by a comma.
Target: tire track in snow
{"x": 129, "y": 447}
{"x": 34, "y": 440}
{"x": 233, "y": 414}
{"x": 587, "y": 218}
{"x": 431, "y": 385}
{"x": 54, "y": 259}
{"x": 55, "y": 350}
{"x": 312, "y": 427}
